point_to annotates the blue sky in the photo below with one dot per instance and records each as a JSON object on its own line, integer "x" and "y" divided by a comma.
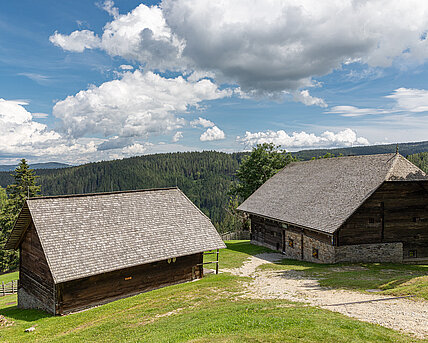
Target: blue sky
{"x": 86, "y": 81}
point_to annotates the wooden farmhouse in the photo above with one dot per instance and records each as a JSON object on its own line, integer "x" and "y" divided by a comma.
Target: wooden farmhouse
{"x": 347, "y": 209}
{"x": 78, "y": 251}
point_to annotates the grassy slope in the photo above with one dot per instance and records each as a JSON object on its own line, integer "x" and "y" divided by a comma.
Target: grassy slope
{"x": 9, "y": 277}
{"x": 208, "y": 310}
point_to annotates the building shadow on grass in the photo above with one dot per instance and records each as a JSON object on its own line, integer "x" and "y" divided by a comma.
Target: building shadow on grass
{"x": 25, "y": 315}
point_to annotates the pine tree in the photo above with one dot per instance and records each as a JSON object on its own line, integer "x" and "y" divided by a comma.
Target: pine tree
{"x": 24, "y": 187}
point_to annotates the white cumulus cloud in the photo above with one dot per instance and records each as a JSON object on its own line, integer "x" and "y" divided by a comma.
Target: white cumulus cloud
{"x": 305, "y": 98}
{"x": 212, "y": 134}
{"x": 138, "y": 104}
{"x": 266, "y": 46}
{"x": 126, "y": 67}
{"x": 76, "y": 41}
{"x": 202, "y": 122}
{"x": 18, "y": 131}
{"x": 177, "y": 136}
{"x": 134, "y": 149}
{"x": 24, "y": 137}
{"x": 303, "y": 140}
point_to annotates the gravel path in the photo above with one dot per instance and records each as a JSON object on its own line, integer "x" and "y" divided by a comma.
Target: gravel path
{"x": 400, "y": 314}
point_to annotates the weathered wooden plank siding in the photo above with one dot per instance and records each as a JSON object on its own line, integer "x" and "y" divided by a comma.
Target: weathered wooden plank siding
{"x": 396, "y": 212}
{"x": 98, "y": 289}
{"x": 36, "y": 285}
{"x": 296, "y": 243}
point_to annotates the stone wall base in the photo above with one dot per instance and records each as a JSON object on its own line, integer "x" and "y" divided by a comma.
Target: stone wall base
{"x": 379, "y": 252}
{"x": 28, "y": 301}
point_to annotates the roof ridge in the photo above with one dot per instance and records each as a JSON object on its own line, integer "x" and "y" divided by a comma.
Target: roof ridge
{"x": 343, "y": 156}
{"x": 393, "y": 164}
{"x": 101, "y": 193}
{"x": 398, "y": 158}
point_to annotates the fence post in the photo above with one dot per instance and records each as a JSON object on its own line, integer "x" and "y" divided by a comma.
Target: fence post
{"x": 2, "y": 286}
{"x": 12, "y": 286}
{"x": 216, "y": 266}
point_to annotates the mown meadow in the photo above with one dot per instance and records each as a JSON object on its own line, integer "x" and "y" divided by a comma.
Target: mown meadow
{"x": 214, "y": 310}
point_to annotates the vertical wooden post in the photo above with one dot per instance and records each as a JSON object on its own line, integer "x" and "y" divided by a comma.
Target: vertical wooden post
{"x": 12, "y": 286}
{"x": 2, "y": 286}
{"x": 216, "y": 266}
{"x": 382, "y": 218}
{"x": 301, "y": 243}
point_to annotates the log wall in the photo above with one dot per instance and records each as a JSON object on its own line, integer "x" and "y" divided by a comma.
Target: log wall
{"x": 294, "y": 242}
{"x": 36, "y": 285}
{"x": 396, "y": 212}
{"x": 99, "y": 289}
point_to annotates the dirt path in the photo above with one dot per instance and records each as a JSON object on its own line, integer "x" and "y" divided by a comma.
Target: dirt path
{"x": 400, "y": 314}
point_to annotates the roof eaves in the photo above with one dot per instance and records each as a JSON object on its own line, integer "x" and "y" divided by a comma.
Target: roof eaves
{"x": 130, "y": 266}
{"x": 286, "y": 222}
{"x": 24, "y": 211}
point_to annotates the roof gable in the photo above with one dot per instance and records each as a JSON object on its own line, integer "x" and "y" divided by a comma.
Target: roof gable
{"x": 321, "y": 194}
{"x": 93, "y": 234}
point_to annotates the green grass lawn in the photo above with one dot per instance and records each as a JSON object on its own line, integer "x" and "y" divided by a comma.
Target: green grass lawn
{"x": 9, "y": 277}
{"x": 236, "y": 253}
{"x": 207, "y": 310}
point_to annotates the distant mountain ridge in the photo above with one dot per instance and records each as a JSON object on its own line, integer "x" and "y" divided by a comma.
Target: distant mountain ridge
{"x": 45, "y": 165}
{"x": 404, "y": 149}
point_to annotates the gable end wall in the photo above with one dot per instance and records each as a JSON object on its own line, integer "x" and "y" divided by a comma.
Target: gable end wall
{"x": 36, "y": 288}
{"x": 396, "y": 213}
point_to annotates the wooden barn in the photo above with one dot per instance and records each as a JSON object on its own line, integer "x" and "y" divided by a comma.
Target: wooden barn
{"x": 78, "y": 251}
{"x": 347, "y": 209}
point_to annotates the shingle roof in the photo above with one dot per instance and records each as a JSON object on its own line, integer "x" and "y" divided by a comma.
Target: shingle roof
{"x": 321, "y": 194}
{"x": 91, "y": 234}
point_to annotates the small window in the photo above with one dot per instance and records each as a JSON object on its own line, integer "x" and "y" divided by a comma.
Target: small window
{"x": 371, "y": 220}
{"x": 416, "y": 219}
{"x": 291, "y": 243}
{"x": 315, "y": 253}
{"x": 412, "y": 253}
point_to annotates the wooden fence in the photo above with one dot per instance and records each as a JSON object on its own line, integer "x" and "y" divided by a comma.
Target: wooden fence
{"x": 228, "y": 236}
{"x": 9, "y": 288}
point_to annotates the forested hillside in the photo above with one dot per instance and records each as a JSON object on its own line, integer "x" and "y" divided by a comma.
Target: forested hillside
{"x": 204, "y": 177}
{"x": 420, "y": 159}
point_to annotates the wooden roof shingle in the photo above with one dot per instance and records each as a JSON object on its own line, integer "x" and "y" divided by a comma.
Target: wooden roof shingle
{"x": 84, "y": 235}
{"x": 321, "y": 194}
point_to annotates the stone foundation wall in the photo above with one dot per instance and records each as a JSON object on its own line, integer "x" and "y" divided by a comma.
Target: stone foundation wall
{"x": 294, "y": 252}
{"x": 326, "y": 252}
{"x": 28, "y": 301}
{"x": 380, "y": 252}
